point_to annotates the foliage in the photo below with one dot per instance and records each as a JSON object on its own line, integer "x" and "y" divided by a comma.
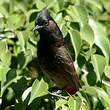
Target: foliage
{"x": 85, "y": 25}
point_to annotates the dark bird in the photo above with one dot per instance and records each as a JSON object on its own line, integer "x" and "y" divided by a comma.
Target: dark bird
{"x": 53, "y": 56}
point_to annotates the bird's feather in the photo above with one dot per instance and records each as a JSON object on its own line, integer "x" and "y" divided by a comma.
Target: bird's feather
{"x": 53, "y": 56}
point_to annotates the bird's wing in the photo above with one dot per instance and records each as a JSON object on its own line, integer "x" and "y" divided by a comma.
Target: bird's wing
{"x": 65, "y": 61}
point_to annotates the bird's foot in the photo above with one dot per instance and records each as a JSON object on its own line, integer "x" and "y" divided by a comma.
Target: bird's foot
{"x": 55, "y": 90}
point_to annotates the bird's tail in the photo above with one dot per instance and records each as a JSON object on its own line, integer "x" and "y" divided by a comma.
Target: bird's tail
{"x": 71, "y": 90}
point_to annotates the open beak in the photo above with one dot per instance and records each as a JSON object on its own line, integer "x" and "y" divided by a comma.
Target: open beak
{"x": 37, "y": 28}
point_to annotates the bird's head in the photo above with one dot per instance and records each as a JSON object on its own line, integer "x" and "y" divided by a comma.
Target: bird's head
{"x": 46, "y": 26}
{"x": 44, "y": 22}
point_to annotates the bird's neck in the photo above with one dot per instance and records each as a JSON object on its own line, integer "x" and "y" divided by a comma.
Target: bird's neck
{"x": 49, "y": 39}
{"x": 48, "y": 43}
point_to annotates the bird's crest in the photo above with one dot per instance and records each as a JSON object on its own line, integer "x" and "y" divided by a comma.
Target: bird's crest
{"x": 42, "y": 16}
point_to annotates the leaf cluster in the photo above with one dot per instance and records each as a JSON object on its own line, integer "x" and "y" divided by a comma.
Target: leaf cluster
{"x": 85, "y": 26}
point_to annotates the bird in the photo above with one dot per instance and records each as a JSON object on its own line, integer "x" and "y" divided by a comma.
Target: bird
{"x": 53, "y": 56}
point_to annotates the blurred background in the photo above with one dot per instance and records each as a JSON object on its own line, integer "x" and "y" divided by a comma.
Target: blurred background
{"x": 85, "y": 25}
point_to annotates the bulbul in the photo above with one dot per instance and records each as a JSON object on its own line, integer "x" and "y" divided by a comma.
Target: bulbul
{"x": 53, "y": 56}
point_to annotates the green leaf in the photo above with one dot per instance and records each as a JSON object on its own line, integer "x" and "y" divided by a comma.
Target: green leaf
{"x": 31, "y": 15}
{"x": 59, "y": 18}
{"x": 6, "y": 58}
{"x": 3, "y": 47}
{"x": 3, "y": 72}
{"x": 91, "y": 91}
{"x": 87, "y": 34}
{"x": 4, "y": 11}
{"x": 61, "y": 3}
{"x": 101, "y": 94}
{"x": 76, "y": 41}
{"x": 83, "y": 101}
{"x": 21, "y": 59}
{"x": 106, "y": 85}
{"x": 107, "y": 71}
{"x": 64, "y": 29}
{"x": 54, "y": 5}
{"x": 99, "y": 63}
{"x": 78, "y": 13}
{"x": 2, "y": 23}
{"x": 21, "y": 40}
{"x": 72, "y": 103}
{"x": 106, "y": 4}
{"x": 40, "y": 5}
{"x": 94, "y": 5}
{"x": 39, "y": 88}
{"x": 16, "y": 21}
{"x": 61, "y": 23}
{"x": 100, "y": 38}
{"x": 60, "y": 103}
{"x": 26, "y": 93}
{"x": 10, "y": 75}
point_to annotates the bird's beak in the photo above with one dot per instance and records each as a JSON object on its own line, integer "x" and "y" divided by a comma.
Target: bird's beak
{"x": 37, "y": 28}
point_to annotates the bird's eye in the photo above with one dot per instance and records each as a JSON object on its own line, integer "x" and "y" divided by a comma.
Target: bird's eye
{"x": 46, "y": 23}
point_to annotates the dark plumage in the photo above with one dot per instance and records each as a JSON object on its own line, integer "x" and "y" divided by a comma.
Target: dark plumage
{"x": 54, "y": 59}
